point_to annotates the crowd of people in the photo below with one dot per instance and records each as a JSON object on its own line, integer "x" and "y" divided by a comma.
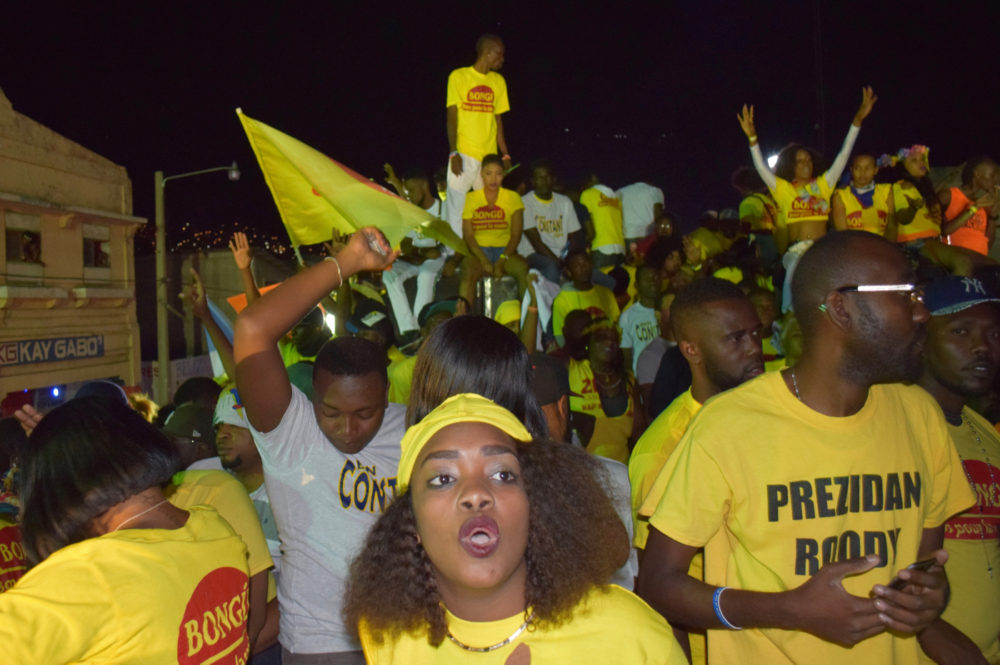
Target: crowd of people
{"x": 772, "y": 439}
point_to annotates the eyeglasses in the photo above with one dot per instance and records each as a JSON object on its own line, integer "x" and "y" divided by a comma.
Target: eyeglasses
{"x": 916, "y": 293}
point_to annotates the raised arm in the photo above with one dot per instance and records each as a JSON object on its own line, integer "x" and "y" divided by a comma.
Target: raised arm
{"x": 260, "y": 375}
{"x": 199, "y": 306}
{"x": 243, "y": 257}
{"x": 868, "y": 99}
{"x": 745, "y": 118}
{"x": 393, "y": 179}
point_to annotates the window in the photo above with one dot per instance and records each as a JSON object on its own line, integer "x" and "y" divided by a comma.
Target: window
{"x": 96, "y": 246}
{"x": 23, "y": 237}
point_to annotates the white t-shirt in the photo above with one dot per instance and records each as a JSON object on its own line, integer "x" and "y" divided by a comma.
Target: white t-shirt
{"x": 638, "y": 200}
{"x": 324, "y": 503}
{"x": 639, "y": 328}
{"x": 554, "y": 220}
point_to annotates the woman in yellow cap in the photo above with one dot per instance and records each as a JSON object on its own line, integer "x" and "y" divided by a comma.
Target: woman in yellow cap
{"x": 496, "y": 552}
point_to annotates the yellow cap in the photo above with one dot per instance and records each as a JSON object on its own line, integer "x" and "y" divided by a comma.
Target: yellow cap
{"x": 463, "y": 408}
{"x": 507, "y": 312}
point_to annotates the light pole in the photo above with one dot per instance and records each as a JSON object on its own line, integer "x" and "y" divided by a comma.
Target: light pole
{"x": 160, "y": 383}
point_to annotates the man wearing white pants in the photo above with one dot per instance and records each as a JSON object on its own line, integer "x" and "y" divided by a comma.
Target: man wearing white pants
{"x": 477, "y": 96}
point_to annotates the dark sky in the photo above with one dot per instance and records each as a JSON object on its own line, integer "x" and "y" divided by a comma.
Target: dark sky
{"x": 154, "y": 85}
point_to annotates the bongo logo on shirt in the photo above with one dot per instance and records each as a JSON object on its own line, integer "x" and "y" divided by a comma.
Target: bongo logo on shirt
{"x": 982, "y": 521}
{"x": 214, "y": 626}
{"x": 12, "y": 563}
{"x": 489, "y": 218}
{"x": 479, "y": 98}
{"x": 609, "y": 201}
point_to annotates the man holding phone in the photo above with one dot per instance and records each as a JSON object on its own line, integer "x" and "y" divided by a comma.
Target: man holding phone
{"x": 810, "y": 488}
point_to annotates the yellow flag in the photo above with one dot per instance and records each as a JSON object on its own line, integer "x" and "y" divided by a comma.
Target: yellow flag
{"x": 316, "y": 194}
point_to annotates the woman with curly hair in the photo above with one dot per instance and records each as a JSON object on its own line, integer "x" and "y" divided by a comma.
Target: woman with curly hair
{"x": 497, "y": 551}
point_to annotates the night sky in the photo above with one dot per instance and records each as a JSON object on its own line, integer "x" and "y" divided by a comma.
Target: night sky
{"x": 636, "y": 90}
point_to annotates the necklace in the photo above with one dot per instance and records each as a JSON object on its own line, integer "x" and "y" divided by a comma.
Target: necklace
{"x": 795, "y": 384}
{"x": 498, "y": 645}
{"x": 972, "y": 483}
{"x": 607, "y": 386}
{"x": 124, "y": 522}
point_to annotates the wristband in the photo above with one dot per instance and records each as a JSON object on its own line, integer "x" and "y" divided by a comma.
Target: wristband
{"x": 340, "y": 275}
{"x": 504, "y": 257}
{"x": 532, "y": 308}
{"x": 696, "y": 267}
{"x": 507, "y": 157}
{"x": 718, "y": 610}
{"x": 452, "y": 153}
{"x": 973, "y": 209}
{"x": 752, "y": 139}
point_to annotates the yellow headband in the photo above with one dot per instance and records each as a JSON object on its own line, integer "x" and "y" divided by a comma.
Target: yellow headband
{"x": 463, "y": 408}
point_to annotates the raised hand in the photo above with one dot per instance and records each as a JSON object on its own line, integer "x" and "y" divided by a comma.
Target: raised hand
{"x": 196, "y": 296}
{"x": 745, "y": 118}
{"x": 370, "y": 250}
{"x": 868, "y": 99}
{"x": 29, "y": 417}
{"x": 240, "y": 247}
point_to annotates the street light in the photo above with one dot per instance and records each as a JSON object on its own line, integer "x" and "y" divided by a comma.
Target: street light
{"x": 160, "y": 383}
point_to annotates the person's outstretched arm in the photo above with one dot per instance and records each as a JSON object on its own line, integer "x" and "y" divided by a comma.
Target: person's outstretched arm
{"x": 745, "y": 118}
{"x": 199, "y": 306}
{"x": 243, "y": 257}
{"x": 260, "y": 375}
{"x": 868, "y": 99}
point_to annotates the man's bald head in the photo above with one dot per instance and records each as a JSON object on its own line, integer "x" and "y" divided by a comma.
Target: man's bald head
{"x": 486, "y": 41}
{"x": 835, "y": 260}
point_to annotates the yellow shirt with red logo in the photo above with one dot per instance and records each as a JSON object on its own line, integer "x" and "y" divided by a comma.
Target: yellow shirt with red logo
{"x": 760, "y": 213}
{"x": 807, "y": 201}
{"x": 12, "y": 562}
{"x": 611, "y": 434}
{"x": 875, "y": 217}
{"x": 491, "y": 221}
{"x": 597, "y": 300}
{"x": 149, "y": 596}
{"x": 605, "y": 210}
{"x": 972, "y": 539}
{"x": 480, "y": 98}
{"x": 923, "y": 225}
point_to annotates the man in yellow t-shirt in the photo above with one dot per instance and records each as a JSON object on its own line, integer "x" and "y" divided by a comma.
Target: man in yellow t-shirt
{"x": 582, "y": 293}
{"x": 605, "y": 230}
{"x": 960, "y": 364}
{"x": 491, "y": 227}
{"x": 477, "y": 97}
{"x": 817, "y": 485}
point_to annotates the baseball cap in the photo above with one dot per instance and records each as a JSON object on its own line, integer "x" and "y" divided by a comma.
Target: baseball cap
{"x": 433, "y": 308}
{"x": 551, "y": 379}
{"x": 461, "y": 408}
{"x": 193, "y": 421}
{"x": 951, "y": 294}
{"x": 507, "y": 312}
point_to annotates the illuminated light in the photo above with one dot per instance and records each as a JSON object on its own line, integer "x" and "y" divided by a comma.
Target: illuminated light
{"x": 55, "y": 392}
{"x": 771, "y": 161}
{"x": 331, "y": 321}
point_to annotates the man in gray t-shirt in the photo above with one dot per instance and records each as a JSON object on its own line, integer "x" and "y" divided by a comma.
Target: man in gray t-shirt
{"x": 330, "y": 462}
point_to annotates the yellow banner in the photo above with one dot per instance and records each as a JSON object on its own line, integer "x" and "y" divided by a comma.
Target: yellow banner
{"x": 316, "y": 194}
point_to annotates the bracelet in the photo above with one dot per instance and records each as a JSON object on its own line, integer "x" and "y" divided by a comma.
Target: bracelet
{"x": 504, "y": 257}
{"x": 752, "y": 139}
{"x": 340, "y": 275}
{"x": 452, "y": 153}
{"x": 718, "y": 610}
{"x": 507, "y": 157}
{"x": 532, "y": 308}
{"x": 695, "y": 267}
{"x": 973, "y": 209}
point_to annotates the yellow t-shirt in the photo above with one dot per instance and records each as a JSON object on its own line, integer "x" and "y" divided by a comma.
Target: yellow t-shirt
{"x": 973, "y": 541}
{"x": 598, "y": 300}
{"x": 611, "y": 434}
{"x": 772, "y": 489}
{"x": 709, "y": 242}
{"x": 875, "y": 217}
{"x": 804, "y": 201}
{"x": 221, "y": 491}
{"x": 593, "y": 635}
{"x": 923, "y": 225}
{"x": 650, "y": 454}
{"x": 606, "y": 216}
{"x": 480, "y": 98}
{"x": 491, "y": 221}
{"x": 401, "y": 379}
{"x": 760, "y": 212}
{"x": 149, "y": 596}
